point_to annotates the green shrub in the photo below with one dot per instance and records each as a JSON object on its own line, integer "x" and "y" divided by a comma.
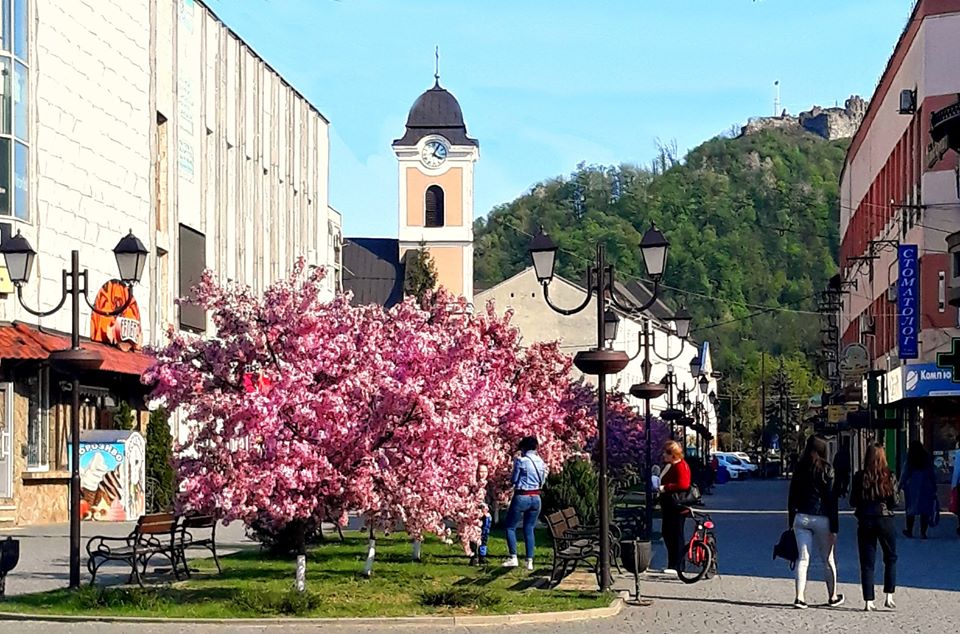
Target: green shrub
{"x": 290, "y": 539}
{"x": 576, "y": 485}
{"x": 465, "y": 597}
{"x": 160, "y": 461}
{"x": 287, "y": 603}
{"x": 141, "y": 599}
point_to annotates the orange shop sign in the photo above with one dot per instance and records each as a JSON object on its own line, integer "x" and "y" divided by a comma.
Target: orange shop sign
{"x": 122, "y": 331}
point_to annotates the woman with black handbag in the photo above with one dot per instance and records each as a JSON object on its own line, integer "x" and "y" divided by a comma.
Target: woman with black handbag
{"x": 873, "y": 495}
{"x": 815, "y": 518}
{"x": 675, "y": 483}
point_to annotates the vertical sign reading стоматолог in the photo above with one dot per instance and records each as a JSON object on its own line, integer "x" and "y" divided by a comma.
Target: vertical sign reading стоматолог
{"x": 908, "y": 301}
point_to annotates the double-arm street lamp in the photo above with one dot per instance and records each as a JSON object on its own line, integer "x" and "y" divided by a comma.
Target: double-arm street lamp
{"x": 649, "y": 391}
{"x": 131, "y": 258}
{"x": 601, "y": 360}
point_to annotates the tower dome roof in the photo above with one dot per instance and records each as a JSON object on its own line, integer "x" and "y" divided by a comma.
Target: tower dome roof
{"x": 436, "y": 111}
{"x": 436, "y": 107}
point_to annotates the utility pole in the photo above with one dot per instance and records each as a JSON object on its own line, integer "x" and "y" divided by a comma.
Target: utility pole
{"x": 763, "y": 412}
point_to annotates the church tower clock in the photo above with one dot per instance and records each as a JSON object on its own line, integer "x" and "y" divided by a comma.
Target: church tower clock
{"x": 435, "y": 159}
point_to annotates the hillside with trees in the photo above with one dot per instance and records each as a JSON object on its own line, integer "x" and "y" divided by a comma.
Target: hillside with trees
{"x": 753, "y": 227}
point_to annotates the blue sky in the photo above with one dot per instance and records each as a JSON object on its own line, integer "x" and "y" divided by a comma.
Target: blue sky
{"x": 545, "y": 84}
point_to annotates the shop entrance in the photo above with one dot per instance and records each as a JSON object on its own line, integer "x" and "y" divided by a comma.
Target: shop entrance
{"x": 6, "y": 440}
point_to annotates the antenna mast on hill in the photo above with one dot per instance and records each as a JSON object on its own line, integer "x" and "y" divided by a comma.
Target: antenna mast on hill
{"x": 776, "y": 99}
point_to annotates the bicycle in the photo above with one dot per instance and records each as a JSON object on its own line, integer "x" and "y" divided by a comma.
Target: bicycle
{"x": 701, "y": 553}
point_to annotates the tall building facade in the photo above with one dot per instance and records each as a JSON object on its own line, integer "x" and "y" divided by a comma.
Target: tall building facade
{"x": 898, "y": 201}
{"x": 148, "y": 116}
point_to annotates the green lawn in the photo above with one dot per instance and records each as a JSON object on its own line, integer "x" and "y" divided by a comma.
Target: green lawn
{"x": 254, "y": 585}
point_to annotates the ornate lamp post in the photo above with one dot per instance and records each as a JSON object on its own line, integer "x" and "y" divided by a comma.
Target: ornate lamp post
{"x": 649, "y": 391}
{"x": 131, "y": 258}
{"x": 601, "y": 360}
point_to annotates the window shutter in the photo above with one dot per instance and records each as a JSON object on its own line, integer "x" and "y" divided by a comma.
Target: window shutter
{"x": 434, "y": 207}
{"x": 193, "y": 261}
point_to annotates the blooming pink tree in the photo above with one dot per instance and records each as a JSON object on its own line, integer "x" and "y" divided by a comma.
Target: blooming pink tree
{"x": 306, "y": 410}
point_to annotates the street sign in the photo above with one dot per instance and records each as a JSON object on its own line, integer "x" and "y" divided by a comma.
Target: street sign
{"x": 951, "y": 360}
{"x": 854, "y": 361}
{"x": 837, "y": 414}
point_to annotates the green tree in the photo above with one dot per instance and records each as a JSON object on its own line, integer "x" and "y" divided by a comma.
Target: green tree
{"x": 159, "y": 460}
{"x": 420, "y": 276}
{"x": 125, "y": 418}
{"x": 753, "y": 225}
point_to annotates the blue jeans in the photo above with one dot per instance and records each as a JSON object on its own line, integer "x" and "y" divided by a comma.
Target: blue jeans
{"x": 527, "y": 509}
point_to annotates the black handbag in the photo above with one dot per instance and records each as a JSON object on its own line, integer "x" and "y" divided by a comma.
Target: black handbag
{"x": 787, "y": 548}
{"x": 690, "y": 497}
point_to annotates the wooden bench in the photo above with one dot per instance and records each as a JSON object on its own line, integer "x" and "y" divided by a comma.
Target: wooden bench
{"x": 575, "y": 529}
{"x": 569, "y": 550}
{"x": 189, "y": 536}
{"x": 154, "y": 534}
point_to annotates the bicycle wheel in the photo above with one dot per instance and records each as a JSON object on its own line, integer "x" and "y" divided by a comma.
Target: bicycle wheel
{"x": 714, "y": 553}
{"x": 696, "y": 562}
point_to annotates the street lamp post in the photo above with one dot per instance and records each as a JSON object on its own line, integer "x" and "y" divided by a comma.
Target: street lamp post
{"x": 131, "y": 258}
{"x": 602, "y": 360}
{"x": 649, "y": 391}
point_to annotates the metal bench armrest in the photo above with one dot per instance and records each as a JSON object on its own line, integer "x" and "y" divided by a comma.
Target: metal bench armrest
{"x": 101, "y": 544}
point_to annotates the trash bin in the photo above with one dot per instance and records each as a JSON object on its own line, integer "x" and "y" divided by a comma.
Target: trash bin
{"x": 723, "y": 475}
{"x": 9, "y": 558}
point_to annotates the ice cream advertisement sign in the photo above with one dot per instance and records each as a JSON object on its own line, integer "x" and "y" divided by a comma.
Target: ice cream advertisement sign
{"x": 123, "y": 330}
{"x": 112, "y": 470}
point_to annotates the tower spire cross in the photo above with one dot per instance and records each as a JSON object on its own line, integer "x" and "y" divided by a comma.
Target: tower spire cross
{"x": 436, "y": 65}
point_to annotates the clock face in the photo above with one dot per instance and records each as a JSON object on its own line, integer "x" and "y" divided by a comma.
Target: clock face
{"x": 434, "y": 153}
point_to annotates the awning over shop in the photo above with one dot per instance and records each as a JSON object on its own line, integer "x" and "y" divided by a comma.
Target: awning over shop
{"x": 22, "y": 341}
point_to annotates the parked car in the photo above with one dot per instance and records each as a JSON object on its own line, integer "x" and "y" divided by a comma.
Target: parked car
{"x": 745, "y": 459}
{"x": 733, "y": 465}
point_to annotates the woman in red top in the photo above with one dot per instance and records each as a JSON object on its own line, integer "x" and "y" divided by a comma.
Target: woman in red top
{"x": 674, "y": 479}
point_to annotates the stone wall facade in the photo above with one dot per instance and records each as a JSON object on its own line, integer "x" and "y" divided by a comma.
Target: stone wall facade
{"x": 153, "y": 116}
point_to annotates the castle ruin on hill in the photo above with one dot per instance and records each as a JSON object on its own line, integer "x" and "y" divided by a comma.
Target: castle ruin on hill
{"x": 829, "y": 123}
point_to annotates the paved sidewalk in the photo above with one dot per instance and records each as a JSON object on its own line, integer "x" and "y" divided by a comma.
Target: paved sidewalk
{"x": 753, "y": 594}
{"x": 45, "y": 554}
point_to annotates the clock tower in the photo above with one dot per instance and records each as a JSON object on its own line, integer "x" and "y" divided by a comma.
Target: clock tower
{"x": 435, "y": 160}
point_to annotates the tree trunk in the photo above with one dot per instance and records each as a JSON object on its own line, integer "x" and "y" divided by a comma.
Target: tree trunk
{"x": 371, "y": 554}
{"x": 301, "y": 537}
{"x": 417, "y": 545}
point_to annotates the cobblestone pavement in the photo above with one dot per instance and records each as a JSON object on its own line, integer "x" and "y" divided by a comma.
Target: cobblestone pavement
{"x": 753, "y": 593}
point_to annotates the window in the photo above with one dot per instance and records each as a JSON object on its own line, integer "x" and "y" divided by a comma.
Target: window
{"x": 14, "y": 109}
{"x": 193, "y": 261}
{"x": 433, "y": 202}
{"x": 38, "y": 421}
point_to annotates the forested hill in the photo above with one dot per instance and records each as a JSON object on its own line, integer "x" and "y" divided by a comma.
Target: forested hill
{"x": 752, "y": 224}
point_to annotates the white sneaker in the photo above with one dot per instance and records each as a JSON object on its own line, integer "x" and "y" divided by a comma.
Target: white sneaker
{"x": 669, "y": 571}
{"x": 529, "y": 564}
{"x": 510, "y": 562}
{"x": 869, "y": 607}
{"x": 889, "y": 603}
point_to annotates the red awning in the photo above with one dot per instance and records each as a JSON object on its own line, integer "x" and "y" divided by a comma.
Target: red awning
{"x": 22, "y": 341}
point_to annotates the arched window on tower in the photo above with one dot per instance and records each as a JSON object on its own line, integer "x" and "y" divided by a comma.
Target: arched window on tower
{"x": 433, "y": 204}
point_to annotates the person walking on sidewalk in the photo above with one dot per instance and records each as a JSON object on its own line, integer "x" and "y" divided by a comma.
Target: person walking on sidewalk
{"x": 529, "y": 476}
{"x": 873, "y": 496}
{"x": 675, "y": 480}
{"x": 814, "y": 517}
{"x": 919, "y": 482}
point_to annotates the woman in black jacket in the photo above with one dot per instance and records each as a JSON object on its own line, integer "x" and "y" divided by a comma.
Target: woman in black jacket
{"x": 873, "y": 497}
{"x": 814, "y": 517}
